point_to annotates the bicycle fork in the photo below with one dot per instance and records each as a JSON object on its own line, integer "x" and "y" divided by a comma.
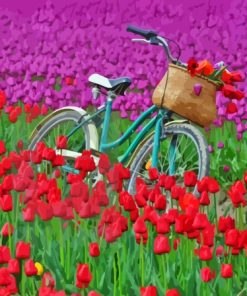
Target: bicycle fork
{"x": 156, "y": 148}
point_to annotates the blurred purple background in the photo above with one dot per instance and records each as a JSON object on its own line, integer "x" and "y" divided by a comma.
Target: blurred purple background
{"x": 60, "y": 39}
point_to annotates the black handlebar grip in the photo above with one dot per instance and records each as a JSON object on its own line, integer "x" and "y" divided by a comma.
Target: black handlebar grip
{"x": 145, "y": 33}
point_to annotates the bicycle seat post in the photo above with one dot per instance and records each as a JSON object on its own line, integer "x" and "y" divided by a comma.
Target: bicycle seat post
{"x": 110, "y": 96}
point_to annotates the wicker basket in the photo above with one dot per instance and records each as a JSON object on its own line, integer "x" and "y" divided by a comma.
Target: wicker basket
{"x": 181, "y": 98}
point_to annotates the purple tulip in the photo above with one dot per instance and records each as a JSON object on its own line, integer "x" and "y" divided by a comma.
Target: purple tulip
{"x": 210, "y": 149}
{"x": 226, "y": 168}
{"x": 220, "y": 145}
{"x": 197, "y": 89}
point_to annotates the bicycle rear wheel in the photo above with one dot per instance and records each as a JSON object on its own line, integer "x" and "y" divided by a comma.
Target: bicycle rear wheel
{"x": 62, "y": 124}
{"x": 189, "y": 153}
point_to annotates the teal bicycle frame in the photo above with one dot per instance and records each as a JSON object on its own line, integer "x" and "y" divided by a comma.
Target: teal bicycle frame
{"x": 156, "y": 123}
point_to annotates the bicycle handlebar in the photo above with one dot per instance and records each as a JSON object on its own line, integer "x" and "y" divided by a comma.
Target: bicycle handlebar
{"x": 145, "y": 33}
{"x": 154, "y": 39}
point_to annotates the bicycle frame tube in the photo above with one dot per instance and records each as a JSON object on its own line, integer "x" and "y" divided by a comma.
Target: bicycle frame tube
{"x": 157, "y": 122}
{"x": 104, "y": 145}
{"x": 156, "y": 145}
{"x": 85, "y": 121}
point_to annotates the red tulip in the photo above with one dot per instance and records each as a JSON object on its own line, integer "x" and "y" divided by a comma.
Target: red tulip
{"x": 140, "y": 200}
{"x": 180, "y": 224}
{"x": 188, "y": 200}
{"x": 6, "y": 203}
{"x": 162, "y": 225}
{"x": 2, "y": 147}
{"x": 5, "y": 277}
{"x": 191, "y": 67}
{"x": 44, "y": 210}
{"x": 208, "y": 235}
{"x": 213, "y": 185}
{"x": 61, "y": 142}
{"x": 160, "y": 202}
{"x": 30, "y": 268}
{"x": 44, "y": 110}
{"x": 205, "y": 253}
{"x": 202, "y": 185}
{"x": 231, "y": 108}
{"x": 226, "y": 270}
{"x": 128, "y": 203}
{"x": 4, "y": 254}
{"x": 58, "y": 161}
{"x": 172, "y": 292}
{"x": 7, "y": 183}
{"x": 13, "y": 116}
{"x": 172, "y": 215}
{"x": 85, "y": 162}
{"x": 190, "y": 179}
{"x": 27, "y": 108}
{"x": 169, "y": 182}
{"x": 35, "y": 112}
{"x": 230, "y": 77}
{"x": 83, "y": 275}
{"x": 48, "y": 280}
{"x": 28, "y": 213}
{"x": 200, "y": 221}
{"x": 46, "y": 291}
{"x": 226, "y": 223}
{"x": 91, "y": 293}
{"x": 148, "y": 291}
{"x": 176, "y": 243}
{"x": 204, "y": 199}
{"x": 161, "y": 245}
{"x": 69, "y": 80}
{"x": 104, "y": 163}
{"x": 153, "y": 174}
{"x": 14, "y": 266}
{"x": 22, "y": 250}
{"x": 12, "y": 287}
{"x": 231, "y": 237}
{"x": 3, "y": 99}
{"x": 207, "y": 275}
{"x": 140, "y": 226}
{"x": 177, "y": 192}
{"x": 7, "y": 229}
{"x": 94, "y": 250}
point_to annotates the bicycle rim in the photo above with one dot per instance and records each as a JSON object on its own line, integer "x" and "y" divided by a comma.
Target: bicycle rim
{"x": 189, "y": 153}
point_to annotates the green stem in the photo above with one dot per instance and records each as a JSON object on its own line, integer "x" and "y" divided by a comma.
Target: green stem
{"x": 68, "y": 256}
{"x": 164, "y": 271}
{"x": 241, "y": 216}
{"x": 215, "y": 209}
{"x": 23, "y": 280}
{"x": 10, "y": 235}
{"x": 120, "y": 274}
{"x": 61, "y": 249}
{"x": 141, "y": 264}
{"x": 115, "y": 276}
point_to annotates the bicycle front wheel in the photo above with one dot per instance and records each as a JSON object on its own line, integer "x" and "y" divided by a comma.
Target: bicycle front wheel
{"x": 182, "y": 148}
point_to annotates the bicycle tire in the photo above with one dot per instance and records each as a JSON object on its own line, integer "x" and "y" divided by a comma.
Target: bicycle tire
{"x": 55, "y": 121}
{"x": 184, "y": 129}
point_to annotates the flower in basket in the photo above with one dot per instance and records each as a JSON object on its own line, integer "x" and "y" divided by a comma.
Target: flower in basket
{"x": 221, "y": 77}
{"x": 192, "y": 65}
{"x": 205, "y": 68}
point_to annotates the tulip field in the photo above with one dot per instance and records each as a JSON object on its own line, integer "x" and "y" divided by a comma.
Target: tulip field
{"x": 60, "y": 233}
{"x": 69, "y": 238}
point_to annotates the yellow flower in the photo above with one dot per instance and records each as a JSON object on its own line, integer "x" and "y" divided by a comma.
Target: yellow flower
{"x": 39, "y": 267}
{"x": 148, "y": 164}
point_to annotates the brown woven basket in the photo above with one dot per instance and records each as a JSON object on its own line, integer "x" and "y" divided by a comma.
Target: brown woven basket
{"x": 180, "y": 96}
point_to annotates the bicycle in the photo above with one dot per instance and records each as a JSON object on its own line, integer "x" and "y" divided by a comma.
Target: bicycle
{"x": 162, "y": 134}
